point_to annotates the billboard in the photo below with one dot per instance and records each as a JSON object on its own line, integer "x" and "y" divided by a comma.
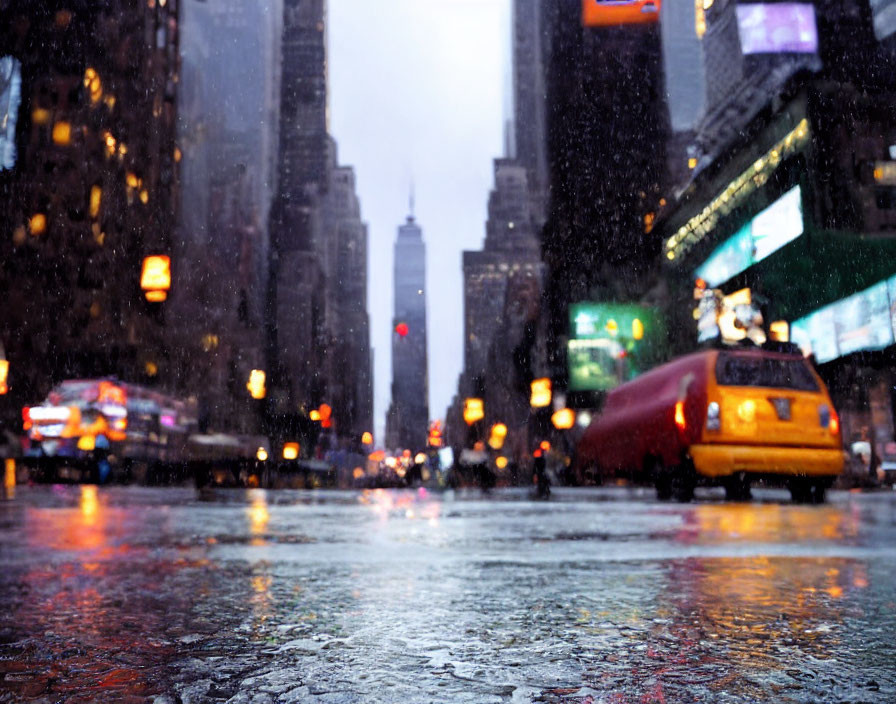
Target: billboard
{"x": 774, "y": 227}
{"x": 10, "y": 97}
{"x": 863, "y": 321}
{"x": 610, "y": 343}
{"x": 610, "y": 13}
{"x": 883, "y": 13}
{"x": 777, "y": 28}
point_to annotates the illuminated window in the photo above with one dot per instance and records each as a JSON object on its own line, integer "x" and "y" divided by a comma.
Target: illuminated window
{"x": 62, "y": 134}
{"x": 96, "y": 197}
{"x": 37, "y": 225}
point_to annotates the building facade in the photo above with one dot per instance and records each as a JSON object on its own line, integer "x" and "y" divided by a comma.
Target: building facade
{"x": 227, "y": 132}
{"x": 89, "y": 179}
{"x": 799, "y": 209}
{"x": 297, "y": 335}
{"x": 607, "y": 127}
{"x": 407, "y": 420}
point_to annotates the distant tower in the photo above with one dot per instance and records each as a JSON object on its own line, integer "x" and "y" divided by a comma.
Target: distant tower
{"x": 408, "y": 418}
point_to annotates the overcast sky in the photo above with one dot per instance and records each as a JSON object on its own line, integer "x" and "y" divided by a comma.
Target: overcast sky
{"x": 417, "y": 93}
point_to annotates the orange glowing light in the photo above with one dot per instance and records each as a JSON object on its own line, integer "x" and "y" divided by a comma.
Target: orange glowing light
{"x": 497, "y": 435}
{"x": 544, "y": 446}
{"x": 39, "y": 116}
{"x": 156, "y": 296}
{"x": 473, "y": 410}
{"x": 4, "y": 375}
{"x": 540, "y": 393}
{"x": 290, "y": 450}
{"x": 500, "y": 462}
{"x": 261, "y": 454}
{"x": 255, "y": 385}
{"x": 9, "y": 477}
{"x": 62, "y": 133}
{"x": 326, "y": 413}
{"x": 37, "y": 225}
{"x": 314, "y": 415}
{"x": 600, "y": 13}
{"x": 367, "y": 438}
{"x": 564, "y": 419}
{"x": 96, "y": 198}
{"x": 156, "y": 275}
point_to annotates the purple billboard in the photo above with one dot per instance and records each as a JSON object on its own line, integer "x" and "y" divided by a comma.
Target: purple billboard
{"x": 777, "y": 28}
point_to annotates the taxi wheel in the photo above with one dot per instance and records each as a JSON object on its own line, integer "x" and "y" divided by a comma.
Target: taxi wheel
{"x": 807, "y": 491}
{"x": 662, "y": 477}
{"x": 737, "y": 487}
{"x": 684, "y": 481}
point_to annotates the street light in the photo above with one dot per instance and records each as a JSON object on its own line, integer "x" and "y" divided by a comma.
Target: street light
{"x": 540, "y": 396}
{"x": 4, "y": 372}
{"x": 255, "y": 385}
{"x": 497, "y": 435}
{"x": 473, "y": 410}
{"x": 563, "y": 419}
{"x": 155, "y": 278}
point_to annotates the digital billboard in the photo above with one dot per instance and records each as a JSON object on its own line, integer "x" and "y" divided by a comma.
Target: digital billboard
{"x": 774, "y": 227}
{"x": 10, "y": 97}
{"x": 609, "y": 13}
{"x": 610, "y": 343}
{"x": 883, "y": 13}
{"x": 864, "y": 321}
{"x": 777, "y": 28}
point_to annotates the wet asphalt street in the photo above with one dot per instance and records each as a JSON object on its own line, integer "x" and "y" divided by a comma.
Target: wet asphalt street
{"x": 162, "y": 595}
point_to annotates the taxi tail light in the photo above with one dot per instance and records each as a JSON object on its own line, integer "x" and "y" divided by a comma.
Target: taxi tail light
{"x": 827, "y": 418}
{"x": 713, "y": 416}
{"x": 680, "y": 421}
{"x": 26, "y": 418}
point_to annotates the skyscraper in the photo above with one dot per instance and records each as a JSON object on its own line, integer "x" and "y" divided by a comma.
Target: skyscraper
{"x": 229, "y": 91}
{"x": 296, "y": 297}
{"x": 607, "y": 128}
{"x": 407, "y": 421}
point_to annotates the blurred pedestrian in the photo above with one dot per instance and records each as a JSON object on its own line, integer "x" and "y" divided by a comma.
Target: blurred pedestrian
{"x": 543, "y": 483}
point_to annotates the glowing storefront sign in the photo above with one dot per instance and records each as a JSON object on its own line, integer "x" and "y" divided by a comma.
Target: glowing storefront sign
{"x": 609, "y": 343}
{"x": 609, "y": 13}
{"x": 774, "y": 227}
{"x": 736, "y": 192}
{"x": 777, "y": 28}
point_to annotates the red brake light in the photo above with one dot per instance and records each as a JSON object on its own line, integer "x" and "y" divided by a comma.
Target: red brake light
{"x": 26, "y": 418}
{"x": 834, "y": 425}
{"x": 679, "y": 416}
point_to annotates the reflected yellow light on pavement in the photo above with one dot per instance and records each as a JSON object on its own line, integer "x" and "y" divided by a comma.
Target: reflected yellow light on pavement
{"x": 257, "y": 513}
{"x": 89, "y": 504}
{"x": 9, "y": 478}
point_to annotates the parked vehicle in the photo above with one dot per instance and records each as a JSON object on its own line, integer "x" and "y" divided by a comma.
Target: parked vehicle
{"x": 719, "y": 416}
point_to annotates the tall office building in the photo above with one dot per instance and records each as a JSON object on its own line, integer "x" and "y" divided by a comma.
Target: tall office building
{"x": 511, "y": 246}
{"x": 348, "y": 363}
{"x": 529, "y": 110}
{"x": 89, "y": 183}
{"x": 227, "y": 131}
{"x": 607, "y": 130}
{"x": 296, "y": 296}
{"x": 407, "y": 421}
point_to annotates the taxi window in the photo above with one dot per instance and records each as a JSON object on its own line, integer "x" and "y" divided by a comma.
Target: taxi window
{"x": 741, "y": 370}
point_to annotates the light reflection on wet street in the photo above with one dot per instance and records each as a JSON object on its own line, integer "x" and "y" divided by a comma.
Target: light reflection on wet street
{"x": 136, "y": 594}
